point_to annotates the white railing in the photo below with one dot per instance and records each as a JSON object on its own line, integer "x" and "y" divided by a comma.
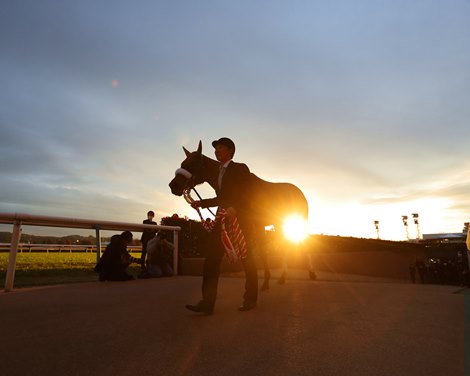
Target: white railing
{"x": 60, "y": 248}
{"x": 53, "y": 248}
{"x": 18, "y": 219}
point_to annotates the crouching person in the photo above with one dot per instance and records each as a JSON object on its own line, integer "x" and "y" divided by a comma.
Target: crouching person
{"x": 159, "y": 256}
{"x": 115, "y": 260}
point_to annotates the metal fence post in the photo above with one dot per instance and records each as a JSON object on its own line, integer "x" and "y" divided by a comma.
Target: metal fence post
{"x": 98, "y": 243}
{"x": 15, "y": 240}
{"x": 175, "y": 252}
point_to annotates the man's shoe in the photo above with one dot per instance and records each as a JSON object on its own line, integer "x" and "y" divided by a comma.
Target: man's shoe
{"x": 246, "y": 306}
{"x": 200, "y": 308}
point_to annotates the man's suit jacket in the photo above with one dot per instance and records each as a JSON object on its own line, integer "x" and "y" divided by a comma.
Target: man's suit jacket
{"x": 234, "y": 192}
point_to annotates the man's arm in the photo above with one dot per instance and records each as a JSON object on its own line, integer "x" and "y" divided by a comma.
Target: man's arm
{"x": 234, "y": 193}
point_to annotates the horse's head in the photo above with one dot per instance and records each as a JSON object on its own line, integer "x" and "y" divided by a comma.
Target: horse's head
{"x": 190, "y": 172}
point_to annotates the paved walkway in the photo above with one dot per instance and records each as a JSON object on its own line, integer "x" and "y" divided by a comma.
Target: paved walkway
{"x": 335, "y": 326}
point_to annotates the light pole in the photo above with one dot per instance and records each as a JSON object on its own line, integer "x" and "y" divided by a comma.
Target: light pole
{"x": 404, "y": 218}
{"x": 418, "y": 232}
{"x": 376, "y": 223}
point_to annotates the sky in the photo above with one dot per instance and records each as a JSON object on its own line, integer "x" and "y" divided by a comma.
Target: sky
{"x": 362, "y": 104}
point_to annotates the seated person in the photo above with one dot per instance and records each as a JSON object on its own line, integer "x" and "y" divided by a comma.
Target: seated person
{"x": 115, "y": 260}
{"x": 159, "y": 256}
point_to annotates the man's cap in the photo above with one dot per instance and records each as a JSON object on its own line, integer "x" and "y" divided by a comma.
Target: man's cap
{"x": 224, "y": 141}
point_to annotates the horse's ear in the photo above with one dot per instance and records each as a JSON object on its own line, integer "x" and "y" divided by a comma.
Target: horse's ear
{"x": 199, "y": 148}
{"x": 186, "y": 151}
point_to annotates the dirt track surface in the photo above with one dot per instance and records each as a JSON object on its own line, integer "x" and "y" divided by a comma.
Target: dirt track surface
{"x": 329, "y": 327}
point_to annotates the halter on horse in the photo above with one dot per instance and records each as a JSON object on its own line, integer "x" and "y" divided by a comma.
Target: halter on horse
{"x": 271, "y": 202}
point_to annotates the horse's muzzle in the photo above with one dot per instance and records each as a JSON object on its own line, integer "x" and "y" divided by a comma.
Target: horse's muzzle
{"x": 177, "y": 185}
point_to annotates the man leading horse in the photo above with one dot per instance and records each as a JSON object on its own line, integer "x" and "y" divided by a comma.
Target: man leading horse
{"x": 233, "y": 192}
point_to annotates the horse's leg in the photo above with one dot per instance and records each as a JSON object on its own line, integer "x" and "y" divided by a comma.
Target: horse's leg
{"x": 284, "y": 254}
{"x": 311, "y": 271}
{"x": 267, "y": 274}
{"x": 261, "y": 243}
{"x": 282, "y": 278}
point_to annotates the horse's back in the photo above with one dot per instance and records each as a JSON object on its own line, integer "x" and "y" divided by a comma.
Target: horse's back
{"x": 272, "y": 202}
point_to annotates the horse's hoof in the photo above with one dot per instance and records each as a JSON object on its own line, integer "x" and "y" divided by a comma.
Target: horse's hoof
{"x": 264, "y": 287}
{"x": 312, "y": 275}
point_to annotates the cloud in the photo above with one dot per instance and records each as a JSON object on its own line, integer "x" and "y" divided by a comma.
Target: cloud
{"x": 355, "y": 102}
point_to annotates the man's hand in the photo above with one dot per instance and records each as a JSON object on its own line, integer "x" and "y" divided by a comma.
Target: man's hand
{"x": 196, "y": 204}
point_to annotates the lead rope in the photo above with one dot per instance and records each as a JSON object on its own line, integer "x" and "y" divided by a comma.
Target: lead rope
{"x": 190, "y": 200}
{"x": 232, "y": 237}
{"x": 200, "y": 198}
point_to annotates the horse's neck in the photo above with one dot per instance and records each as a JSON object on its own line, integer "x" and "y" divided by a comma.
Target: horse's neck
{"x": 211, "y": 172}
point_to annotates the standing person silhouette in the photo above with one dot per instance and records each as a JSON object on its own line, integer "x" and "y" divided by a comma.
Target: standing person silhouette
{"x": 147, "y": 235}
{"x": 233, "y": 195}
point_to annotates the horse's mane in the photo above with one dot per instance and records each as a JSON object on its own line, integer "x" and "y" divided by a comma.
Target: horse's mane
{"x": 212, "y": 173}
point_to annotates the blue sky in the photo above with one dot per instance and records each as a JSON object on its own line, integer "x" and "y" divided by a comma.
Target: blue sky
{"x": 363, "y": 104}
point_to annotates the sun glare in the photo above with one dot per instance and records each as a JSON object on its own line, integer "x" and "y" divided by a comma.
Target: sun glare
{"x": 295, "y": 228}
{"x": 357, "y": 220}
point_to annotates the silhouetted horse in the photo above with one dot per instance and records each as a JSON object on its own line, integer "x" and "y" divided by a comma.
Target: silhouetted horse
{"x": 271, "y": 202}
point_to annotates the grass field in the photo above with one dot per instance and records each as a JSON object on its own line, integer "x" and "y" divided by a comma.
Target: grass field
{"x": 36, "y": 269}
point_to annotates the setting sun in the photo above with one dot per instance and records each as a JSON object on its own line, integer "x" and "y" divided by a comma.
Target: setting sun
{"x": 295, "y": 228}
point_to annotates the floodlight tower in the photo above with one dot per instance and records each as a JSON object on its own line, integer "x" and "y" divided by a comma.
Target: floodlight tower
{"x": 416, "y": 221}
{"x": 376, "y": 223}
{"x": 404, "y": 218}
